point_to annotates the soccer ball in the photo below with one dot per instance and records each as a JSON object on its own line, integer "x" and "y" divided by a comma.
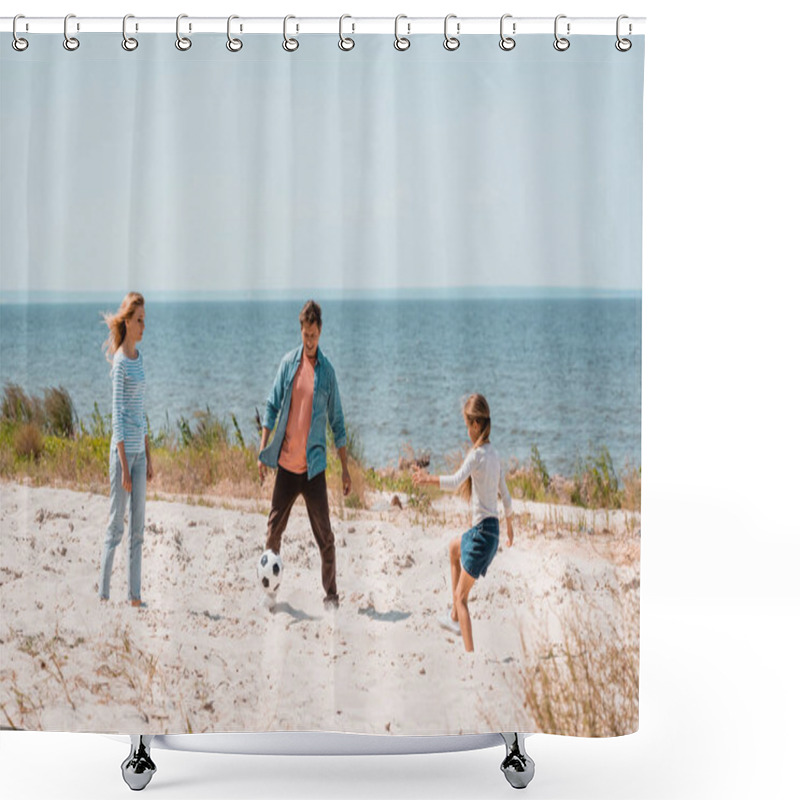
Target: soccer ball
{"x": 270, "y": 570}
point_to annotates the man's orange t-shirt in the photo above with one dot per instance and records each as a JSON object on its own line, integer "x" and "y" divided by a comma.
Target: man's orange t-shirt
{"x": 293, "y": 450}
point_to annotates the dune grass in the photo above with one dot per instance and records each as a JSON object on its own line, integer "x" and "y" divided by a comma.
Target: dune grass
{"x": 43, "y": 441}
{"x": 127, "y": 673}
{"x": 586, "y": 684}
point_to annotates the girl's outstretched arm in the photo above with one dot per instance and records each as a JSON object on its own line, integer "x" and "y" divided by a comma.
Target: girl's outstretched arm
{"x": 448, "y": 482}
{"x": 421, "y": 478}
{"x": 452, "y": 482}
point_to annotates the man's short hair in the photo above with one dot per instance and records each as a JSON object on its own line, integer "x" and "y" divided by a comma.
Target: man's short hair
{"x": 311, "y": 314}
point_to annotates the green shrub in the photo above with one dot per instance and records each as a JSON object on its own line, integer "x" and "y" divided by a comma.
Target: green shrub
{"x": 59, "y": 412}
{"x": 18, "y": 407}
{"x": 596, "y": 482}
{"x": 209, "y": 431}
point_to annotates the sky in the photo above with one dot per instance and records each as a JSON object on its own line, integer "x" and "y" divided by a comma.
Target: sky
{"x": 263, "y": 172}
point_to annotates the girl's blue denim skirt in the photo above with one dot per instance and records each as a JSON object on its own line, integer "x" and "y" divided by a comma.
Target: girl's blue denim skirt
{"x": 478, "y": 546}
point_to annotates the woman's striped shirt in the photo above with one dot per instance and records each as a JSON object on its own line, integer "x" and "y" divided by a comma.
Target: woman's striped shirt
{"x": 127, "y": 402}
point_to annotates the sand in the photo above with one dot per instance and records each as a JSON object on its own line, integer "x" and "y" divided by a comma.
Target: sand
{"x": 207, "y": 654}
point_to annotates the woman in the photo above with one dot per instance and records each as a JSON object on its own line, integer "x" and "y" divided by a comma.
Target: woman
{"x": 130, "y": 465}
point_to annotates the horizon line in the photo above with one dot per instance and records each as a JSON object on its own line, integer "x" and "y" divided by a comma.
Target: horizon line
{"x": 25, "y": 297}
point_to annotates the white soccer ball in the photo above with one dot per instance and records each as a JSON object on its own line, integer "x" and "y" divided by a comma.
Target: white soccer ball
{"x": 270, "y": 570}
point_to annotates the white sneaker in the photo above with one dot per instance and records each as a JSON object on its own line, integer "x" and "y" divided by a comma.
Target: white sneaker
{"x": 449, "y": 624}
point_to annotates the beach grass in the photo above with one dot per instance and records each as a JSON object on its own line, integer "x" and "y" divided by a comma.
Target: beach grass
{"x": 43, "y": 441}
{"x": 586, "y": 684}
{"x": 126, "y": 674}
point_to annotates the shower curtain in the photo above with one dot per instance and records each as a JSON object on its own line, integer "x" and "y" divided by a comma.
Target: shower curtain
{"x": 363, "y": 323}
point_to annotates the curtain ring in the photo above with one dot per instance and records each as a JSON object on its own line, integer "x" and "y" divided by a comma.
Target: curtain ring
{"x": 400, "y": 42}
{"x": 234, "y": 45}
{"x": 506, "y": 42}
{"x": 70, "y": 42}
{"x": 289, "y": 45}
{"x": 623, "y": 45}
{"x": 561, "y": 43}
{"x": 128, "y": 42}
{"x": 450, "y": 42}
{"x": 181, "y": 42}
{"x": 345, "y": 43}
{"x": 18, "y": 43}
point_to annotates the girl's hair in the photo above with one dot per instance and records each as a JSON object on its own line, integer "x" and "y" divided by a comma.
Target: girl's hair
{"x": 117, "y": 323}
{"x": 476, "y": 409}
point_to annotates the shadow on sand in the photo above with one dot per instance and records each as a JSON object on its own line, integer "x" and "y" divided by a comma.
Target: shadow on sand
{"x": 297, "y": 614}
{"x": 387, "y": 616}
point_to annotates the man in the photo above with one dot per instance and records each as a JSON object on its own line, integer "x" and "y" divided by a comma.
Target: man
{"x": 304, "y": 396}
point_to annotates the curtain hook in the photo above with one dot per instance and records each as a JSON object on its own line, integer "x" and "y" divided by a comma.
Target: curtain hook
{"x": 346, "y": 43}
{"x": 18, "y": 43}
{"x": 181, "y": 42}
{"x": 290, "y": 45}
{"x": 623, "y": 45}
{"x": 128, "y": 42}
{"x": 70, "y": 42}
{"x": 400, "y": 42}
{"x": 506, "y": 42}
{"x": 561, "y": 43}
{"x": 450, "y": 42}
{"x": 234, "y": 45}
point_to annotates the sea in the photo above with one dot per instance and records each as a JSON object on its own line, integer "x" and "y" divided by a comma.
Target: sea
{"x": 561, "y": 373}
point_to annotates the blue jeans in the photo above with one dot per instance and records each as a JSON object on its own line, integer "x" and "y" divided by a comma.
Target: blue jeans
{"x": 137, "y": 464}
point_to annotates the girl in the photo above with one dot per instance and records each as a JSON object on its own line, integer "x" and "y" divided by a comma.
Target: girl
{"x": 482, "y": 479}
{"x": 130, "y": 466}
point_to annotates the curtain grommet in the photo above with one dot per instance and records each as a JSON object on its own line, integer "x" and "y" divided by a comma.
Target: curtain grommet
{"x": 346, "y": 43}
{"x": 451, "y": 43}
{"x": 507, "y": 43}
{"x": 234, "y": 45}
{"x": 561, "y": 43}
{"x": 128, "y": 42}
{"x": 183, "y": 43}
{"x": 18, "y": 43}
{"x": 70, "y": 42}
{"x": 401, "y": 43}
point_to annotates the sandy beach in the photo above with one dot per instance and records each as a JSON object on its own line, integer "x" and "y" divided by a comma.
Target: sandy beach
{"x": 207, "y": 654}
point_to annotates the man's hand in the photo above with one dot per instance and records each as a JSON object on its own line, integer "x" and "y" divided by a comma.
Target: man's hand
{"x": 510, "y": 529}
{"x": 346, "y": 483}
{"x": 262, "y": 467}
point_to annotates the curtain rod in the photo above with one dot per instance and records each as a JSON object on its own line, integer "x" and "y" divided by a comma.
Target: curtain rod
{"x": 513, "y": 26}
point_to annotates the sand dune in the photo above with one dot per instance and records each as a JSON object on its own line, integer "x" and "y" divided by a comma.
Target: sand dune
{"x": 208, "y": 655}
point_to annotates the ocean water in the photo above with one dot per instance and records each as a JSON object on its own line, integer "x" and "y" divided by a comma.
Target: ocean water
{"x": 563, "y": 373}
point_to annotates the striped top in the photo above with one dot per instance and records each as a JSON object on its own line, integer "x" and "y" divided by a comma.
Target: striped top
{"x": 483, "y": 464}
{"x": 127, "y": 402}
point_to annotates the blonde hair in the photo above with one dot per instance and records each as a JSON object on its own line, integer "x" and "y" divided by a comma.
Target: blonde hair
{"x": 117, "y": 323}
{"x": 476, "y": 409}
